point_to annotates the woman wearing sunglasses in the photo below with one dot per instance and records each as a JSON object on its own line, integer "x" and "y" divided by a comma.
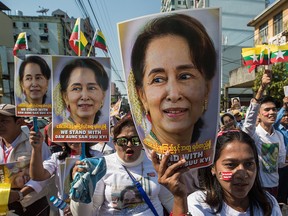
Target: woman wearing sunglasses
{"x": 115, "y": 193}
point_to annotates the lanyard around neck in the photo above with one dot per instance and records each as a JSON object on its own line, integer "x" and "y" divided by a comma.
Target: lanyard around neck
{"x": 141, "y": 191}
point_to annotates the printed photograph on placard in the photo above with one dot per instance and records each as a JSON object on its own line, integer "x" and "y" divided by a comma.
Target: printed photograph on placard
{"x": 172, "y": 68}
{"x": 81, "y": 99}
{"x": 32, "y": 86}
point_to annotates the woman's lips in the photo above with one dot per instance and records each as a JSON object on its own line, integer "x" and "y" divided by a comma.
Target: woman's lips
{"x": 175, "y": 112}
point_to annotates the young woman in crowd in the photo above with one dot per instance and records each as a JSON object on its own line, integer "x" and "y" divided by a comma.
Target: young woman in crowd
{"x": 231, "y": 186}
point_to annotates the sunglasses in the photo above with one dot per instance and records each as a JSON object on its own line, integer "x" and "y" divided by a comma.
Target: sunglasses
{"x": 123, "y": 141}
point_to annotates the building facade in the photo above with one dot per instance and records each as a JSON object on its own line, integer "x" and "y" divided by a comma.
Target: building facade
{"x": 270, "y": 27}
{"x": 47, "y": 35}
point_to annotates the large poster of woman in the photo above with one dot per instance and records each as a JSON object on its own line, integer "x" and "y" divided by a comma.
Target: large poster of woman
{"x": 81, "y": 99}
{"x": 32, "y": 85}
{"x": 172, "y": 68}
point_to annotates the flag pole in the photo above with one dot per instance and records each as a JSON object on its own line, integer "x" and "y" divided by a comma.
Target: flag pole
{"x": 79, "y": 35}
{"x": 89, "y": 51}
{"x": 92, "y": 43}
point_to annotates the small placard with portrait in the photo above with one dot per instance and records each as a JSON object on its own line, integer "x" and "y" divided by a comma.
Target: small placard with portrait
{"x": 32, "y": 86}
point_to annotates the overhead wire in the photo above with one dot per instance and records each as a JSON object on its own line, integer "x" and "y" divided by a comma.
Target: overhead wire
{"x": 84, "y": 12}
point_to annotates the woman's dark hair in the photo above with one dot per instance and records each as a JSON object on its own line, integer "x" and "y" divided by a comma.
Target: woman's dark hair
{"x": 67, "y": 151}
{"x": 202, "y": 50}
{"x": 127, "y": 121}
{"x": 45, "y": 70}
{"x": 98, "y": 70}
{"x": 215, "y": 194}
{"x": 230, "y": 116}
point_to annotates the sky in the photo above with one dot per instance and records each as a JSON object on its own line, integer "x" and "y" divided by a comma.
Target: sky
{"x": 107, "y": 12}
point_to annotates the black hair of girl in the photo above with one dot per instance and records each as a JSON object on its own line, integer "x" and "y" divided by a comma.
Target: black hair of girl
{"x": 202, "y": 50}
{"x": 45, "y": 70}
{"x": 209, "y": 183}
{"x": 98, "y": 70}
{"x": 127, "y": 121}
{"x": 67, "y": 151}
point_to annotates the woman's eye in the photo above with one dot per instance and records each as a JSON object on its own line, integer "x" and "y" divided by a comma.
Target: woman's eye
{"x": 76, "y": 89}
{"x": 249, "y": 164}
{"x": 230, "y": 165}
{"x": 92, "y": 88}
{"x": 185, "y": 76}
{"x": 158, "y": 80}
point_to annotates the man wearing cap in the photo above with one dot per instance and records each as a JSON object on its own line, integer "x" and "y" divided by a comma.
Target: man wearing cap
{"x": 15, "y": 146}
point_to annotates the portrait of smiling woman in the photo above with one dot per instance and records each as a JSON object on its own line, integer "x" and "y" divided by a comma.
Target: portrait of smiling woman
{"x": 34, "y": 76}
{"x": 80, "y": 93}
{"x": 170, "y": 71}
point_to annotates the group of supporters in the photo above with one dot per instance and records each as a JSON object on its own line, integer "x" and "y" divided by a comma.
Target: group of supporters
{"x": 170, "y": 85}
{"x": 249, "y": 163}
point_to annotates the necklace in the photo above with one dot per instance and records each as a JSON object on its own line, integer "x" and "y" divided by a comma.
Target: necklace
{"x": 154, "y": 137}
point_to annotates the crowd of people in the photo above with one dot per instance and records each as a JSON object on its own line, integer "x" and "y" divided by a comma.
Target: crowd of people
{"x": 248, "y": 172}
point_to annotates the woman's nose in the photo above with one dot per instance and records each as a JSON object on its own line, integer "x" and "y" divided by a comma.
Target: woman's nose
{"x": 84, "y": 94}
{"x": 173, "y": 91}
{"x": 34, "y": 82}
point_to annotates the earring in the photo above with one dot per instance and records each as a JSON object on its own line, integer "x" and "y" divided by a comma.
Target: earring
{"x": 205, "y": 106}
{"x": 147, "y": 113}
{"x": 68, "y": 108}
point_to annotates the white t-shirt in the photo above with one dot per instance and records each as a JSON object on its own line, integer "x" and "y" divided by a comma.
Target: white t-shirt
{"x": 270, "y": 147}
{"x": 110, "y": 198}
{"x": 198, "y": 207}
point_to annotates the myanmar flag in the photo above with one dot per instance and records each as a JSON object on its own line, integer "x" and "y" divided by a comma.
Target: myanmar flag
{"x": 251, "y": 56}
{"x": 77, "y": 38}
{"x": 21, "y": 43}
{"x": 99, "y": 40}
{"x": 264, "y": 58}
{"x": 279, "y": 53}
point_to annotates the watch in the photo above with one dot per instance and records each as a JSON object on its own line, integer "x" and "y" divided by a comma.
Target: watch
{"x": 21, "y": 196}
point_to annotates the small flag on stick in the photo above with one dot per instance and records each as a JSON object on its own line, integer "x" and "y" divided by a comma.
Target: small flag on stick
{"x": 21, "y": 43}
{"x": 77, "y": 39}
{"x": 99, "y": 41}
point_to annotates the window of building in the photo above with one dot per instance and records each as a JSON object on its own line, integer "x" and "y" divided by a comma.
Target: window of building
{"x": 14, "y": 25}
{"x": 278, "y": 23}
{"x": 263, "y": 32}
{"x": 43, "y": 25}
{"x": 45, "y": 51}
{"x": 179, "y": 2}
{"x": 44, "y": 38}
{"x": 26, "y": 25}
{"x": 29, "y": 37}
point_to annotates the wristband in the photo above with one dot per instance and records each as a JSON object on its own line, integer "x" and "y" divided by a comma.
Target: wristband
{"x": 257, "y": 100}
{"x": 21, "y": 196}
